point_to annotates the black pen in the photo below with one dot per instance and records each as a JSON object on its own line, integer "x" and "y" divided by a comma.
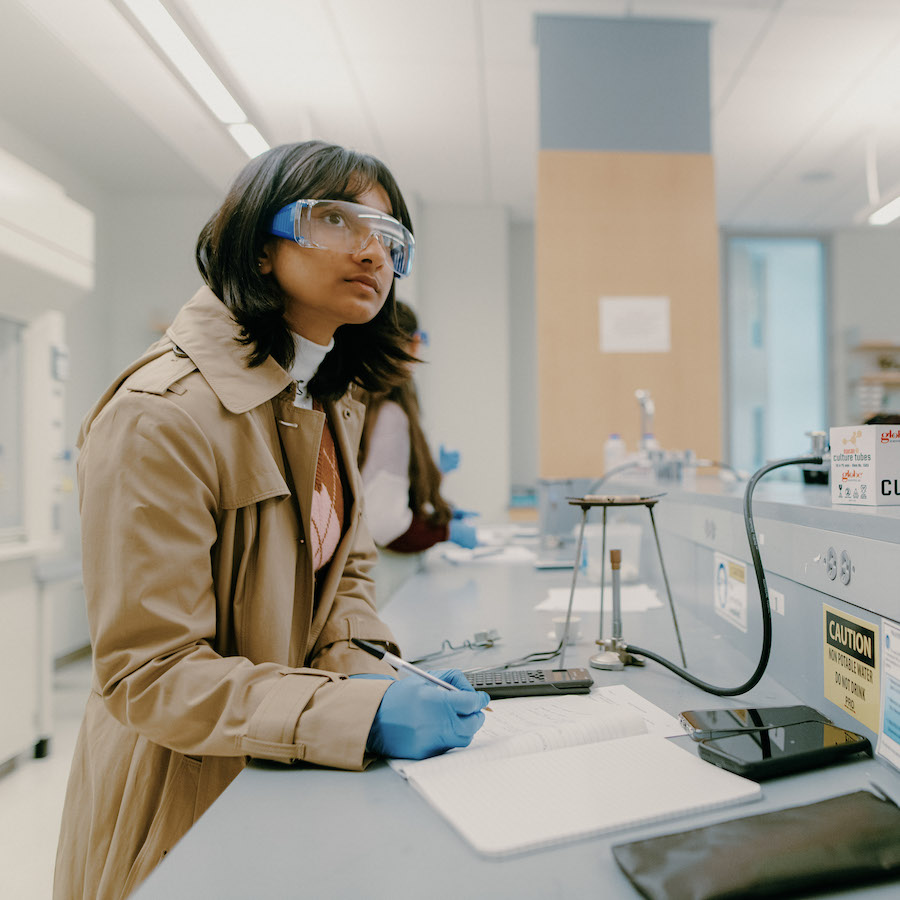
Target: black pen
{"x": 398, "y": 663}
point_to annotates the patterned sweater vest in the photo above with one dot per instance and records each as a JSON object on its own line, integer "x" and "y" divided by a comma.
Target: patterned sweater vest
{"x": 327, "y": 517}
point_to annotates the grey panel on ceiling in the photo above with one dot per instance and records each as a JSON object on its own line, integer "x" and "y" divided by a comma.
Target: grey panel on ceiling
{"x": 638, "y": 85}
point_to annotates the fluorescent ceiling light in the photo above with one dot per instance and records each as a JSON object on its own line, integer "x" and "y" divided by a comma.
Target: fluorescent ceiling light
{"x": 186, "y": 58}
{"x": 886, "y": 213}
{"x": 250, "y": 140}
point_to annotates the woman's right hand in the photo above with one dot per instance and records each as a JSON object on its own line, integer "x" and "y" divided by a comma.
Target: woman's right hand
{"x": 417, "y": 719}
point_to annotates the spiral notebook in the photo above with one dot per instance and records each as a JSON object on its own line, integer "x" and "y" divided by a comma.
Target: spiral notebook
{"x": 513, "y": 798}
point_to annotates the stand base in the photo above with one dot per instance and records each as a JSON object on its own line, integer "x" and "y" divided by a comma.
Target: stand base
{"x": 614, "y": 656}
{"x": 607, "y": 659}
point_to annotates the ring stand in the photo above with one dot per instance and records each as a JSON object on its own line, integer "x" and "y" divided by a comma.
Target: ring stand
{"x": 613, "y": 654}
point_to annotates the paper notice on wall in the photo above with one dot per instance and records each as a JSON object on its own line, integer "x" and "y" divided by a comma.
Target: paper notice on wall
{"x": 634, "y": 325}
{"x": 889, "y": 736}
{"x": 730, "y": 590}
{"x": 851, "y": 665}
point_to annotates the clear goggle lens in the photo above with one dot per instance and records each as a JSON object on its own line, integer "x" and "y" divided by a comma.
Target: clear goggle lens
{"x": 345, "y": 228}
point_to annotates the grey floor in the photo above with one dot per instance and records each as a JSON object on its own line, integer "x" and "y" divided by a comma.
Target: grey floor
{"x": 32, "y": 792}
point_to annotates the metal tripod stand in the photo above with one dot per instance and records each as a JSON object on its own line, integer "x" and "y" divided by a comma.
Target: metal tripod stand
{"x": 614, "y": 646}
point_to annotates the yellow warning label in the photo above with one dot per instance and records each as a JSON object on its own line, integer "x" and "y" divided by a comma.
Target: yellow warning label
{"x": 851, "y": 665}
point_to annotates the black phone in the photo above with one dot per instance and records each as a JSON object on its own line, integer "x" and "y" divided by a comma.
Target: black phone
{"x": 707, "y": 723}
{"x": 770, "y": 752}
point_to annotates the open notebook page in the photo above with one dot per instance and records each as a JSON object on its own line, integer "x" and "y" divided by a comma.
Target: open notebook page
{"x": 503, "y": 806}
{"x": 533, "y": 724}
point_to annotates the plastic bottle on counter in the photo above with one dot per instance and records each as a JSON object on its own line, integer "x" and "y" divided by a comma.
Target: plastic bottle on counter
{"x": 614, "y": 452}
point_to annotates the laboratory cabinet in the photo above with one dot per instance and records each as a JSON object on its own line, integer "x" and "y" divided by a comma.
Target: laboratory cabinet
{"x": 32, "y": 482}
{"x": 22, "y": 700}
{"x": 46, "y": 265}
{"x": 831, "y": 573}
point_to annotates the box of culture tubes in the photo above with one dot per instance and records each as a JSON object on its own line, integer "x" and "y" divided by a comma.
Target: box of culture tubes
{"x": 865, "y": 465}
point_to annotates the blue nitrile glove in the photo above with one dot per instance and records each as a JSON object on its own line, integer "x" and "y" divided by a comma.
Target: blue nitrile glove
{"x": 417, "y": 719}
{"x": 462, "y": 534}
{"x": 464, "y": 513}
{"x": 448, "y": 460}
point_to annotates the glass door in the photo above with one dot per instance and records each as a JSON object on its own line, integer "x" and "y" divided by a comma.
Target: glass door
{"x": 775, "y": 365}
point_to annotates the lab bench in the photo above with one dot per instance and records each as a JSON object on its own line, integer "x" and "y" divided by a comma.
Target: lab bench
{"x": 286, "y": 831}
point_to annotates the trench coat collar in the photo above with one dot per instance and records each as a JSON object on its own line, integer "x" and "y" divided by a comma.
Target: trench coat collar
{"x": 205, "y": 330}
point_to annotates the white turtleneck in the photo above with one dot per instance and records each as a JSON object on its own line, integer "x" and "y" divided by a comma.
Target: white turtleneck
{"x": 307, "y": 359}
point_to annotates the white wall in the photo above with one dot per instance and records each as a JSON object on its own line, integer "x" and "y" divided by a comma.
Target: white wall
{"x": 865, "y": 272}
{"x": 145, "y": 273}
{"x": 85, "y": 335}
{"x": 145, "y": 270}
{"x": 148, "y": 242}
{"x": 463, "y": 304}
{"x": 522, "y": 333}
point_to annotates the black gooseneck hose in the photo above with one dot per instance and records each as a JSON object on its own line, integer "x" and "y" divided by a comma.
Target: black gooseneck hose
{"x": 753, "y": 680}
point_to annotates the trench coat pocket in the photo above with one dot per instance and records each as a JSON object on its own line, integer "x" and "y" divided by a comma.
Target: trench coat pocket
{"x": 173, "y": 818}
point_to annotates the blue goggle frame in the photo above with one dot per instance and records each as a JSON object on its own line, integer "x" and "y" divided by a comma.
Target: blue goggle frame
{"x": 345, "y": 227}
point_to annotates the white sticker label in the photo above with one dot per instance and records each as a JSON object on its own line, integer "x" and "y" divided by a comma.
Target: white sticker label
{"x": 730, "y": 590}
{"x": 776, "y": 601}
{"x": 889, "y": 735}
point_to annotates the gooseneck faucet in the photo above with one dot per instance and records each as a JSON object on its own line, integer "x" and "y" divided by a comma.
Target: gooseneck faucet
{"x": 647, "y": 411}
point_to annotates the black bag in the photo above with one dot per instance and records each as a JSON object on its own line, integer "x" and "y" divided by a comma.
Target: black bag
{"x": 849, "y": 840}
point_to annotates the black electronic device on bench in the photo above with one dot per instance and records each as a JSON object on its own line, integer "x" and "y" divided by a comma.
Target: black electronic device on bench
{"x": 710, "y": 723}
{"x": 771, "y": 752}
{"x": 501, "y": 683}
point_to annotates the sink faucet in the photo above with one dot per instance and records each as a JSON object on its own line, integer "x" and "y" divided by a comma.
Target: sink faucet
{"x": 647, "y": 411}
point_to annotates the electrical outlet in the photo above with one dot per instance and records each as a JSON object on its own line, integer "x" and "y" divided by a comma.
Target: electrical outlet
{"x": 846, "y": 567}
{"x": 831, "y": 564}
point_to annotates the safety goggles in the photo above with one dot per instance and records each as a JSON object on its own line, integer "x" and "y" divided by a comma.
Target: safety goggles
{"x": 345, "y": 228}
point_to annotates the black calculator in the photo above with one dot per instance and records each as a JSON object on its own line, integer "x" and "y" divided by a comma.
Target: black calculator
{"x": 500, "y": 683}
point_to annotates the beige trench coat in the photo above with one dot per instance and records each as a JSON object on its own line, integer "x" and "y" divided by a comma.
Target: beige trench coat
{"x": 208, "y": 645}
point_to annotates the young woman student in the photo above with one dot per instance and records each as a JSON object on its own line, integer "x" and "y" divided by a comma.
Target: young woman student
{"x": 226, "y": 558}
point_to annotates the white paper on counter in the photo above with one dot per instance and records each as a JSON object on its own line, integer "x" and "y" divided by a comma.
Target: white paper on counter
{"x": 633, "y": 598}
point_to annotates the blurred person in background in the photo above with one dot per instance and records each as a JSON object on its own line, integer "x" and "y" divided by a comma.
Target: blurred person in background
{"x": 405, "y": 510}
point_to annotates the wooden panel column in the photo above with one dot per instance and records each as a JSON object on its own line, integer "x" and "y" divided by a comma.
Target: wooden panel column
{"x": 625, "y": 209}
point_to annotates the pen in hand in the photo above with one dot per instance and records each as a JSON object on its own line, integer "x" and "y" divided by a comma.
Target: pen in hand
{"x": 402, "y": 664}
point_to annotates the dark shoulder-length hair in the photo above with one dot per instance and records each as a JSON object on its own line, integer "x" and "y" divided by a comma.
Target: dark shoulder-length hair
{"x": 229, "y": 246}
{"x": 425, "y": 499}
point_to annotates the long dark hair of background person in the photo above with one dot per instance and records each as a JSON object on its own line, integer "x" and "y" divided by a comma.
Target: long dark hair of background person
{"x": 425, "y": 498}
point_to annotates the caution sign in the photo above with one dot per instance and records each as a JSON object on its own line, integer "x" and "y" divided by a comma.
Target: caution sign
{"x": 851, "y": 666}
